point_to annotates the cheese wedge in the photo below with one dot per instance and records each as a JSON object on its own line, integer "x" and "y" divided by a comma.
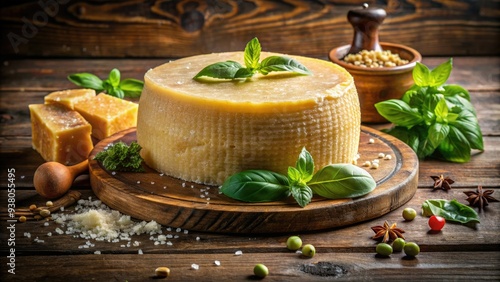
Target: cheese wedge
{"x": 107, "y": 114}
{"x": 60, "y": 134}
{"x": 68, "y": 98}
{"x": 205, "y": 131}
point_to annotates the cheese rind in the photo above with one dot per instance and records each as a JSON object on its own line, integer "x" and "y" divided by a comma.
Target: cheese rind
{"x": 205, "y": 131}
{"x": 108, "y": 114}
{"x": 60, "y": 134}
{"x": 68, "y": 98}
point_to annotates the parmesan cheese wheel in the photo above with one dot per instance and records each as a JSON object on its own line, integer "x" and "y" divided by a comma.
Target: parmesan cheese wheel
{"x": 206, "y": 130}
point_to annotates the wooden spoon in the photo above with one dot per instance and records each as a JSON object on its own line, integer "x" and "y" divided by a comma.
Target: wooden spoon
{"x": 53, "y": 179}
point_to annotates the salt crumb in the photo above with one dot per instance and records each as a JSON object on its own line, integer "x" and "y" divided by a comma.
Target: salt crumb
{"x": 97, "y": 252}
{"x": 217, "y": 263}
{"x": 195, "y": 266}
{"x": 371, "y": 141}
{"x": 238, "y": 253}
{"x": 140, "y": 252}
{"x": 198, "y": 238}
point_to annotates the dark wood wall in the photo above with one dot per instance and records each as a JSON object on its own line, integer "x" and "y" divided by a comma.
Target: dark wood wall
{"x": 178, "y": 28}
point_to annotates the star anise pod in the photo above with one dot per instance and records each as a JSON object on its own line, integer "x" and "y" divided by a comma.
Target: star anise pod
{"x": 387, "y": 233}
{"x": 441, "y": 182}
{"x": 480, "y": 198}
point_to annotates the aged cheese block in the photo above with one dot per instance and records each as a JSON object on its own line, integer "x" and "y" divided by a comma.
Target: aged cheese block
{"x": 205, "y": 131}
{"x": 107, "y": 114}
{"x": 60, "y": 134}
{"x": 69, "y": 97}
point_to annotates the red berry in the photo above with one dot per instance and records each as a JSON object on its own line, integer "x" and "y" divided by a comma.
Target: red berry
{"x": 436, "y": 223}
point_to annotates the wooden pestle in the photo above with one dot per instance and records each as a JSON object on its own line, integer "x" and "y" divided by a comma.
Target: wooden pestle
{"x": 53, "y": 179}
{"x": 365, "y": 21}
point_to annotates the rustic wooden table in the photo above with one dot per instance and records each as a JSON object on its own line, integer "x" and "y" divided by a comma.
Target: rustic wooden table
{"x": 458, "y": 252}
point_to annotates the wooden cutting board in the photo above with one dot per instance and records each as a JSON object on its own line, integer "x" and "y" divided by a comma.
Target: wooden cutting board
{"x": 177, "y": 203}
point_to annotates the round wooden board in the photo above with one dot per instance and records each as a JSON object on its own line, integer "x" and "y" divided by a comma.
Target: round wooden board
{"x": 181, "y": 204}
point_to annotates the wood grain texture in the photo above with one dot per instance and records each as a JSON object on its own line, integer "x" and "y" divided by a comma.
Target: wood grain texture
{"x": 182, "y": 204}
{"x": 456, "y": 249}
{"x": 182, "y": 28}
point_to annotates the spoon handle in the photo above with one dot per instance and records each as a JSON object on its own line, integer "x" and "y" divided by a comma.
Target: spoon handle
{"x": 78, "y": 168}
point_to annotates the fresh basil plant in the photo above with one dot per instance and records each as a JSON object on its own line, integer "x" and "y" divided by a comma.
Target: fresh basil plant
{"x": 434, "y": 119}
{"x": 129, "y": 87}
{"x": 333, "y": 181}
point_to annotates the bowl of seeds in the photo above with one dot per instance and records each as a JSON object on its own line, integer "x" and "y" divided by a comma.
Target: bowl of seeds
{"x": 378, "y": 75}
{"x": 381, "y": 70}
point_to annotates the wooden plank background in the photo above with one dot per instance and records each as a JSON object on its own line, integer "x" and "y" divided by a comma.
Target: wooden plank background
{"x": 178, "y": 28}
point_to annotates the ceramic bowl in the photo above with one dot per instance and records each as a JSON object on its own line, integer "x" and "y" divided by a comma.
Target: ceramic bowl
{"x": 379, "y": 84}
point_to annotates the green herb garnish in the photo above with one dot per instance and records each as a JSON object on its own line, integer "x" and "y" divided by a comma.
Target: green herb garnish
{"x": 434, "y": 119}
{"x": 334, "y": 181}
{"x": 450, "y": 210}
{"x": 121, "y": 157}
{"x": 234, "y": 70}
{"x": 129, "y": 87}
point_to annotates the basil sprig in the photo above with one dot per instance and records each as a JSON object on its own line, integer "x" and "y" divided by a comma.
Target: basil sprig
{"x": 129, "y": 87}
{"x": 435, "y": 119}
{"x": 450, "y": 210}
{"x": 333, "y": 181}
{"x": 234, "y": 70}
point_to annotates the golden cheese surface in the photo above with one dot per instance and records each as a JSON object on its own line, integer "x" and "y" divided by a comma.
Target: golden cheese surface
{"x": 68, "y": 98}
{"x": 205, "y": 131}
{"x": 60, "y": 134}
{"x": 107, "y": 114}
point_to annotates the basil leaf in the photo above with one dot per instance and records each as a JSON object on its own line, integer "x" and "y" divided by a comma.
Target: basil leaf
{"x": 398, "y": 112}
{"x": 252, "y": 54}
{"x": 305, "y": 165}
{"x": 425, "y": 146}
{"x": 450, "y": 210}
{"x": 222, "y": 70}
{"x": 441, "y": 110}
{"x": 114, "y": 77}
{"x": 294, "y": 175}
{"x": 256, "y": 186}
{"x": 132, "y": 87}
{"x": 301, "y": 193}
{"x": 421, "y": 75}
{"x": 437, "y": 133}
{"x": 338, "y": 181}
{"x": 467, "y": 124}
{"x": 453, "y": 89}
{"x": 244, "y": 73}
{"x": 278, "y": 63}
{"x": 87, "y": 80}
{"x": 455, "y": 147}
{"x": 440, "y": 74}
{"x": 410, "y": 137}
{"x": 460, "y": 102}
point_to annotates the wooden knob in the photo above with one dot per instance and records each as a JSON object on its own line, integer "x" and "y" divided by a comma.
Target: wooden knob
{"x": 365, "y": 21}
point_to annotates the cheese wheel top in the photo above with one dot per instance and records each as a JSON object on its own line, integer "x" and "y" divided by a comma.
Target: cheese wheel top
{"x": 175, "y": 80}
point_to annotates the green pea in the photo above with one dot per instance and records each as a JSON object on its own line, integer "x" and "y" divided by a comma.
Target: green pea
{"x": 384, "y": 249}
{"x": 409, "y": 214}
{"x": 308, "y": 250}
{"x": 260, "y": 270}
{"x": 411, "y": 249}
{"x": 294, "y": 243}
{"x": 398, "y": 245}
